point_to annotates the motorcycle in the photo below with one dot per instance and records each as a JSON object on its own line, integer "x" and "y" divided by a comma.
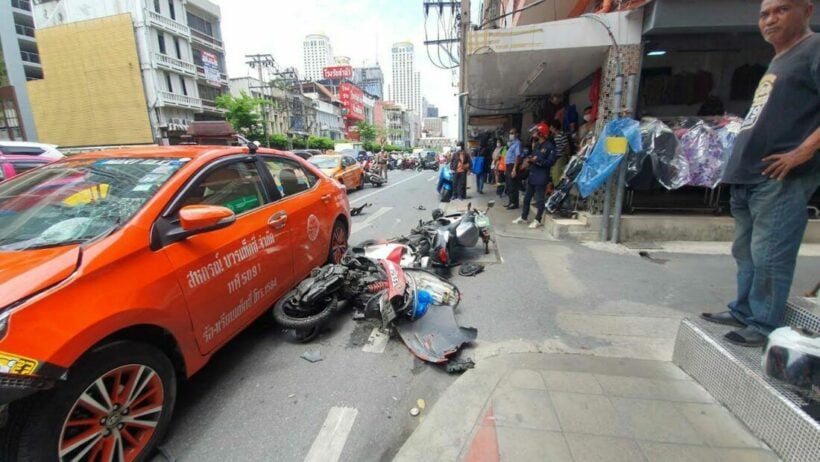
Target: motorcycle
{"x": 445, "y": 183}
{"x": 408, "y": 252}
{"x": 375, "y": 289}
{"x": 374, "y": 178}
{"x": 460, "y": 230}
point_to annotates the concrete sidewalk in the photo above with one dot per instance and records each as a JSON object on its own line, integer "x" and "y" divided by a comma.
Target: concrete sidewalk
{"x": 564, "y": 407}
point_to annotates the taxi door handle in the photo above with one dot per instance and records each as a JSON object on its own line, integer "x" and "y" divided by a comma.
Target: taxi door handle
{"x": 278, "y": 220}
{"x": 326, "y": 198}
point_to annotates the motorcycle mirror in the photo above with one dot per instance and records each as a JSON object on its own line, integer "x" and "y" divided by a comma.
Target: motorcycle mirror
{"x": 437, "y": 213}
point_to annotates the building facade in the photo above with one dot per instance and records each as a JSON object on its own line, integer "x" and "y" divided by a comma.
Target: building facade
{"x": 406, "y": 80}
{"x": 275, "y": 114}
{"x": 175, "y": 59}
{"x": 432, "y": 127}
{"x": 370, "y": 79}
{"x": 20, "y": 62}
{"x": 318, "y": 54}
{"x": 397, "y": 124}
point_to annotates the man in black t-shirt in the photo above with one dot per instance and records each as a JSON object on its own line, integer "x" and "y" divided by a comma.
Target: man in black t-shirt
{"x": 773, "y": 172}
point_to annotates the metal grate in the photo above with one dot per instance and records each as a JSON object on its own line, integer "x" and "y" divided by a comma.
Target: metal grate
{"x": 803, "y": 312}
{"x": 733, "y": 375}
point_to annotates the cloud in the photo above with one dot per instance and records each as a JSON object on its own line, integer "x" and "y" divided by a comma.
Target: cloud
{"x": 364, "y": 30}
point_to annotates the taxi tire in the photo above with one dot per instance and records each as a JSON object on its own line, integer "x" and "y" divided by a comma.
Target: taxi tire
{"x": 338, "y": 226}
{"x": 38, "y": 419}
{"x": 361, "y": 183}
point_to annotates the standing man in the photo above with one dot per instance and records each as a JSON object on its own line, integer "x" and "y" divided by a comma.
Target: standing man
{"x": 510, "y": 162}
{"x": 773, "y": 172}
{"x": 538, "y": 163}
{"x": 381, "y": 161}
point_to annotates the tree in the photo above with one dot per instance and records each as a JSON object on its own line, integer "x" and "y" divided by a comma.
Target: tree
{"x": 243, "y": 113}
{"x": 367, "y": 131}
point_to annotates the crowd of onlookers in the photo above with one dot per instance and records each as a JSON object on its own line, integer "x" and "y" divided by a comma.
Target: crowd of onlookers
{"x": 512, "y": 166}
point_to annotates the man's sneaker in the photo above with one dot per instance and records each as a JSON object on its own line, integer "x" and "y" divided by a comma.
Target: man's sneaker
{"x": 519, "y": 220}
{"x": 535, "y": 224}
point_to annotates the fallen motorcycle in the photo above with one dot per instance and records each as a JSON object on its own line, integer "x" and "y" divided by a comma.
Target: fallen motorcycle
{"x": 407, "y": 252}
{"x": 374, "y": 178}
{"x": 383, "y": 291}
{"x": 448, "y": 232}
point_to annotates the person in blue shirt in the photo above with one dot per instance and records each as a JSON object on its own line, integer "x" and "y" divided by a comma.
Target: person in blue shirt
{"x": 538, "y": 164}
{"x": 511, "y": 162}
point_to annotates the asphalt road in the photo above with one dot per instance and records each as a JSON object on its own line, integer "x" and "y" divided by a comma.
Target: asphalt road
{"x": 258, "y": 400}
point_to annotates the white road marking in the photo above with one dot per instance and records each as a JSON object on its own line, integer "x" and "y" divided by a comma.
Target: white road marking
{"x": 381, "y": 190}
{"x": 432, "y": 178}
{"x": 377, "y": 341}
{"x": 329, "y": 443}
{"x": 369, "y": 220}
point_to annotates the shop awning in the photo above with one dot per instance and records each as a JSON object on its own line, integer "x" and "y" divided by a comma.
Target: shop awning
{"x": 508, "y": 66}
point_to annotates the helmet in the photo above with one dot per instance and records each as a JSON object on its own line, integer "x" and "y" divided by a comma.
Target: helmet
{"x": 541, "y": 129}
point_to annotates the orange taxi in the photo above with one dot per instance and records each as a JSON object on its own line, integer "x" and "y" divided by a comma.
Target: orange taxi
{"x": 123, "y": 271}
{"x": 341, "y": 167}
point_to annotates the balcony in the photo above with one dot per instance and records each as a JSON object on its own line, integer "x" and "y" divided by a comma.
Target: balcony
{"x": 210, "y": 106}
{"x": 30, "y": 57}
{"x": 173, "y": 64}
{"x": 206, "y": 40}
{"x": 24, "y": 5}
{"x": 172, "y": 99}
{"x": 167, "y": 24}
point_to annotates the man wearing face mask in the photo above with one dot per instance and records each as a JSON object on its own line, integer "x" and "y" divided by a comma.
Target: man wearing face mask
{"x": 511, "y": 162}
{"x": 538, "y": 163}
{"x": 589, "y": 124}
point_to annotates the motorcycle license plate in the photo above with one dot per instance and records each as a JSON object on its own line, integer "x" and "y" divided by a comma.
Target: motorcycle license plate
{"x": 482, "y": 221}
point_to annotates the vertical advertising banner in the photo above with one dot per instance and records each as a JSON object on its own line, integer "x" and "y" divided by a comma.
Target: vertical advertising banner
{"x": 211, "y": 65}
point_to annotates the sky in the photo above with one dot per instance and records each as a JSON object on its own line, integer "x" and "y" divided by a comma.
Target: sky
{"x": 363, "y": 30}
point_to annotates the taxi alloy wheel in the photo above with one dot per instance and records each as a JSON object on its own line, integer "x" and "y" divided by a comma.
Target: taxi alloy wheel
{"x": 115, "y": 417}
{"x": 115, "y": 404}
{"x": 338, "y": 242}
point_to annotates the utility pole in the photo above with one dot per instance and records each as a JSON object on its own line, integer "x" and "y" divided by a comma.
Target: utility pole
{"x": 463, "y": 96}
{"x": 261, "y": 62}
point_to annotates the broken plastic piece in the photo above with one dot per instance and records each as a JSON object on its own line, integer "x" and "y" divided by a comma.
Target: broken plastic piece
{"x": 313, "y": 356}
{"x": 459, "y": 365}
{"x": 415, "y": 411}
{"x": 470, "y": 269}
{"x": 421, "y": 404}
{"x": 435, "y": 336}
{"x": 358, "y": 210}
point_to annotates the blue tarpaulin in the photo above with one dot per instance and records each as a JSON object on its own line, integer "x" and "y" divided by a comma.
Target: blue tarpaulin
{"x": 600, "y": 164}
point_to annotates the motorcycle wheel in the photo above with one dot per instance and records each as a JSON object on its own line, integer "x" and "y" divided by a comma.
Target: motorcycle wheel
{"x": 446, "y": 195}
{"x": 305, "y": 335}
{"x": 287, "y": 315}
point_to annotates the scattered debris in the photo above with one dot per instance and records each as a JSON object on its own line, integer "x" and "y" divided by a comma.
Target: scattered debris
{"x": 358, "y": 210}
{"x": 470, "y": 269}
{"x": 420, "y": 207}
{"x": 436, "y": 335}
{"x": 291, "y": 395}
{"x": 313, "y": 356}
{"x": 421, "y": 404}
{"x": 457, "y": 366}
{"x": 415, "y": 411}
{"x": 644, "y": 254}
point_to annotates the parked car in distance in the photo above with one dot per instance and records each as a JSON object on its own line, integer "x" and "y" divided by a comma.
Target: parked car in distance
{"x": 13, "y": 165}
{"x": 125, "y": 270}
{"x": 48, "y": 151}
{"x": 341, "y": 167}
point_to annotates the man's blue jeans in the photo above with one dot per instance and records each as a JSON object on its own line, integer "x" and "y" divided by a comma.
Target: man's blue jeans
{"x": 770, "y": 219}
{"x": 479, "y": 182}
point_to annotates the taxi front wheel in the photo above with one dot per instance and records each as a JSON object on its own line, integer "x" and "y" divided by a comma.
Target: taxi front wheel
{"x": 115, "y": 405}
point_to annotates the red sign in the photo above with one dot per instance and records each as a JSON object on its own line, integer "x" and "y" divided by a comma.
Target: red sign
{"x": 337, "y": 72}
{"x": 352, "y": 99}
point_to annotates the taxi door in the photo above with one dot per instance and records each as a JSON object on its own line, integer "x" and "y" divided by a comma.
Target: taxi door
{"x": 308, "y": 209}
{"x": 232, "y": 275}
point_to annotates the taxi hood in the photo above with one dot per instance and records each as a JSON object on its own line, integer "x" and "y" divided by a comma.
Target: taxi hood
{"x": 25, "y": 273}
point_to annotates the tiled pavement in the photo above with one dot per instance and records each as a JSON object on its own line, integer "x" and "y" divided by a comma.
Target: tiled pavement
{"x": 545, "y": 407}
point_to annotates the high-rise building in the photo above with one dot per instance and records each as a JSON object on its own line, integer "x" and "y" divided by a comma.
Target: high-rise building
{"x": 19, "y": 62}
{"x": 370, "y": 79}
{"x": 341, "y": 60}
{"x": 180, "y": 54}
{"x": 406, "y": 80}
{"x": 318, "y": 54}
{"x": 432, "y": 111}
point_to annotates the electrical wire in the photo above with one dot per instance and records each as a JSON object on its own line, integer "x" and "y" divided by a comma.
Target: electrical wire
{"x": 510, "y": 13}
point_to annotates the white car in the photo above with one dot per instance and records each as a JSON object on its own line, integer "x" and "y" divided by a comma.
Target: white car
{"x": 48, "y": 151}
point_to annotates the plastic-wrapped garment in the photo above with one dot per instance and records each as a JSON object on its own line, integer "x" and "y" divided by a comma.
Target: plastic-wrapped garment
{"x": 727, "y": 134}
{"x": 661, "y": 145}
{"x": 600, "y": 164}
{"x": 703, "y": 151}
{"x": 793, "y": 356}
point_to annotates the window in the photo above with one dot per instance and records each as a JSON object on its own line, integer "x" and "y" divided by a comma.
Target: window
{"x": 22, "y": 167}
{"x": 171, "y": 9}
{"x": 176, "y": 45}
{"x": 236, "y": 186}
{"x": 161, "y": 42}
{"x": 168, "y": 82}
{"x": 156, "y": 6}
{"x": 289, "y": 177}
{"x": 22, "y": 150}
{"x": 182, "y": 85}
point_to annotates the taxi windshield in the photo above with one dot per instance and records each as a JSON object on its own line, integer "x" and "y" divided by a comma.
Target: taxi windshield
{"x": 324, "y": 161}
{"x": 73, "y": 201}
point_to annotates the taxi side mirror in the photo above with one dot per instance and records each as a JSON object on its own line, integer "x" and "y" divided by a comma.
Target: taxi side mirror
{"x": 196, "y": 219}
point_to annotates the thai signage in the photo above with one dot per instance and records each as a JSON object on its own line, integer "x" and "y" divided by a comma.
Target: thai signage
{"x": 337, "y": 72}
{"x": 352, "y": 99}
{"x": 211, "y": 65}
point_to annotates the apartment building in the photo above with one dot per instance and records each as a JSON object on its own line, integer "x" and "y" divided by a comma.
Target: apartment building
{"x": 20, "y": 62}
{"x": 182, "y": 67}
